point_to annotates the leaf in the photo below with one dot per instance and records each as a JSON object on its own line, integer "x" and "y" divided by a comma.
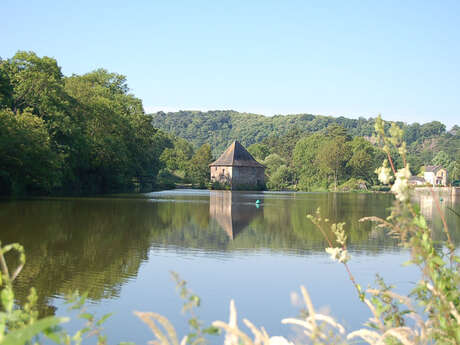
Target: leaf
{"x": 211, "y": 330}
{"x": 103, "y": 319}
{"x": 21, "y": 336}
{"x": 438, "y": 261}
{"x": 193, "y": 323}
{"x": 407, "y": 263}
{"x": 7, "y": 298}
{"x": 87, "y": 316}
{"x": 52, "y": 334}
{"x": 195, "y": 299}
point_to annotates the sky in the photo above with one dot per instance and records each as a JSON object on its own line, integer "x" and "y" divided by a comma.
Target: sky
{"x": 341, "y": 58}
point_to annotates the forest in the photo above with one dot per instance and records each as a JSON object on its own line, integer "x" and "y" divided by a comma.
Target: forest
{"x": 78, "y": 134}
{"x": 314, "y": 152}
{"x": 87, "y": 134}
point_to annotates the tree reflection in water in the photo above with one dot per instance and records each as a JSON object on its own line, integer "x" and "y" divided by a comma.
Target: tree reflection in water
{"x": 98, "y": 244}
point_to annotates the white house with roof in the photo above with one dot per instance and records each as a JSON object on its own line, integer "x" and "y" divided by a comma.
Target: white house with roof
{"x": 435, "y": 175}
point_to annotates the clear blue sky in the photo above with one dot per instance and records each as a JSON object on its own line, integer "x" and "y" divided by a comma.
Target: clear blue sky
{"x": 350, "y": 58}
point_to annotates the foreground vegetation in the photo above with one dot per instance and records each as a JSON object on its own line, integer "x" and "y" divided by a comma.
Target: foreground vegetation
{"x": 430, "y": 314}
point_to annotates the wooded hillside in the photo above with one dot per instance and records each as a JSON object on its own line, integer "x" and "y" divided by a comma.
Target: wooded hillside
{"x": 219, "y": 128}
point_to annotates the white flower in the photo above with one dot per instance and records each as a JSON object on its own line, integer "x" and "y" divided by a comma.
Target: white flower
{"x": 338, "y": 254}
{"x": 401, "y": 185}
{"x": 384, "y": 174}
{"x": 277, "y": 340}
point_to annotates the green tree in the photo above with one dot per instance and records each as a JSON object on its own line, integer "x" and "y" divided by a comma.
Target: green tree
{"x": 97, "y": 133}
{"x": 199, "y": 171}
{"x": 441, "y": 159}
{"x": 433, "y": 128}
{"x": 333, "y": 157}
{"x": 281, "y": 178}
{"x": 365, "y": 158}
{"x": 304, "y": 160}
{"x": 259, "y": 151}
{"x": 177, "y": 157}
{"x": 36, "y": 83}
{"x": 272, "y": 163}
{"x": 27, "y": 162}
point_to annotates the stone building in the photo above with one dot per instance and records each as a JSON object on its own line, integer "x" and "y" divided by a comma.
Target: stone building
{"x": 238, "y": 169}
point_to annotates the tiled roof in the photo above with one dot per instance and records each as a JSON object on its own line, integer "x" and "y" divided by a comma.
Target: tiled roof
{"x": 237, "y": 155}
{"x": 432, "y": 168}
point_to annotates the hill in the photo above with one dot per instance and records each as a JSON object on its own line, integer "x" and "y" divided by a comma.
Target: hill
{"x": 219, "y": 128}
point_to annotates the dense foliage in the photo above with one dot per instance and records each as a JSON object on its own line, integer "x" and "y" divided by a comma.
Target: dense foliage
{"x": 88, "y": 134}
{"x": 315, "y": 152}
{"x": 83, "y": 133}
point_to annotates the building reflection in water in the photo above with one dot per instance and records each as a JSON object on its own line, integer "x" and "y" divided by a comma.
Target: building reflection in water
{"x": 448, "y": 207}
{"x": 427, "y": 201}
{"x": 233, "y": 211}
{"x": 426, "y": 206}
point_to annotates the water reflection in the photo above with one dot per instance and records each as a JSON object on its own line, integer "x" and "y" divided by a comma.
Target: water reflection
{"x": 232, "y": 211}
{"x": 98, "y": 244}
{"x": 446, "y": 203}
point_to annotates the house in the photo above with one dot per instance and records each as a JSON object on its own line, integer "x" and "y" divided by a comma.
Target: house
{"x": 238, "y": 169}
{"x": 416, "y": 181}
{"x": 435, "y": 175}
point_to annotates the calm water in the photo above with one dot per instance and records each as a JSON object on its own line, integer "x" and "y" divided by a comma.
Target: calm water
{"x": 121, "y": 250}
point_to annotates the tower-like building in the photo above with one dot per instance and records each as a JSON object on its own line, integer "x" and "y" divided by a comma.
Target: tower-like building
{"x": 237, "y": 168}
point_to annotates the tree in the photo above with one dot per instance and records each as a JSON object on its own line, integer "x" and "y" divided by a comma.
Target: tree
{"x": 332, "y": 158}
{"x": 431, "y": 129}
{"x": 178, "y": 156}
{"x": 441, "y": 159}
{"x": 198, "y": 170}
{"x": 272, "y": 163}
{"x": 365, "y": 158}
{"x": 94, "y": 129}
{"x": 281, "y": 178}
{"x": 6, "y": 91}
{"x": 259, "y": 151}
{"x": 36, "y": 82}
{"x": 304, "y": 161}
{"x": 27, "y": 162}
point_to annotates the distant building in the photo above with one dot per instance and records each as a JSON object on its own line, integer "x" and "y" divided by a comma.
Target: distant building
{"x": 238, "y": 169}
{"x": 435, "y": 175}
{"x": 416, "y": 181}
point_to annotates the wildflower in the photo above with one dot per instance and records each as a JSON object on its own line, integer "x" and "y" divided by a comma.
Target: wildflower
{"x": 339, "y": 233}
{"x": 401, "y": 185}
{"x": 384, "y": 173}
{"x": 277, "y": 340}
{"x": 338, "y": 254}
{"x": 402, "y": 149}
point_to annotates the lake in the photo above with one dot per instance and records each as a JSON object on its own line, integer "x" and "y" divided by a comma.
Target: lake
{"x": 121, "y": 250}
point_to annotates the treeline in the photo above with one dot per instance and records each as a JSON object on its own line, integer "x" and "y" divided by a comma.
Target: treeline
{"x": 308, "y": 152}
{"x": 88, "y": 134}
{"x": 329, "y": 159}
{"x": 220, "y": 128}
{"x": 77, "y": 134}
{"x": 332, "y": 159}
